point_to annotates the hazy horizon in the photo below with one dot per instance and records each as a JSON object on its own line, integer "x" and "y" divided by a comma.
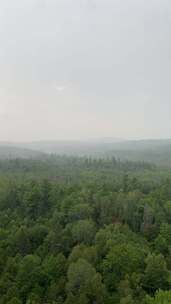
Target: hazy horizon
{"x": 84, "y": 69}
{"x": 92, "y": 140}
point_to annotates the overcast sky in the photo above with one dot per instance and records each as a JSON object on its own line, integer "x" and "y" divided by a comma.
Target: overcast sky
{"x": 76, "y": 69}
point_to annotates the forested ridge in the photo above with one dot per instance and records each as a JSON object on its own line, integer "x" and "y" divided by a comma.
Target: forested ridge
{"x": 155, "y": 151}
{"x": 85, "y": 231}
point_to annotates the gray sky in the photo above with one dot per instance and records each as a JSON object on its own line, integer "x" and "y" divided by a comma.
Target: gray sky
{"x": 73, "y": 69}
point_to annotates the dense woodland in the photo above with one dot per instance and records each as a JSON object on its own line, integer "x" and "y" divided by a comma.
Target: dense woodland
{"x": 76, "y": 230}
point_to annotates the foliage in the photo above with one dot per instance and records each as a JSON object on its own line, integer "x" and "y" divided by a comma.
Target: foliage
{"x": 81, "y": 230}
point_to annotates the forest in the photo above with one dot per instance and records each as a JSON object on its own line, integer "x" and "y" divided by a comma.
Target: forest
{"x": 85, "y": 231}
{"x": 85, "y": 152}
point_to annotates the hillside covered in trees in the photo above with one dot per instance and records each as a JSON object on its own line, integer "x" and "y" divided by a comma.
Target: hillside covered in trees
{"x": 12, "y": 152}
{"x": 156, "y": 151}
{"x": 84, "y": 231}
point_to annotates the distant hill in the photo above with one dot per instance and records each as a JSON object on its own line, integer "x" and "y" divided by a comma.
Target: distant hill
{"x": 94, "y": 148}
{"x": 91, "y": 147}
{"x": 155, "y": 151}
{"x": 149, "y": 144}
{"x": 10, "y": 152}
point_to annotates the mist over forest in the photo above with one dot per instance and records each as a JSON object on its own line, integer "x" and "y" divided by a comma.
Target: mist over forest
{"x": 85, "y": 152}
